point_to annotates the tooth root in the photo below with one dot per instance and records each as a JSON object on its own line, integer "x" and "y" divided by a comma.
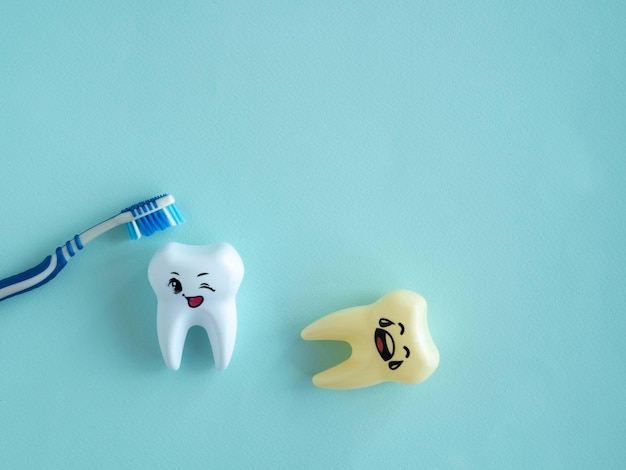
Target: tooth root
{"x": 222, "y": 332}
{"x": 413, "y": 357}
{"x": 172, "y": 331}
{"x": 209, "y": 275}
{"x": 337, "y": 326}
{"x": 354, "y": 372}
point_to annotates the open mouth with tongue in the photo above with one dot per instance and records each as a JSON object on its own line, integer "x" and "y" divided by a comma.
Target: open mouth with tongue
{"x": 194, "y": 302}
{"x": 384, "y": 344}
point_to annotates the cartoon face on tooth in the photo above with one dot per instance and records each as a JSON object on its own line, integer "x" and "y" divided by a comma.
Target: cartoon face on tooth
{"x": 196, "y": 285}
{"x": 177, "y": 288}
{"x": 386, "y": 344}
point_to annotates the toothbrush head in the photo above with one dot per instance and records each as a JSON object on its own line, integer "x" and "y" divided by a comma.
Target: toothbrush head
{"x": 152, "y": 215}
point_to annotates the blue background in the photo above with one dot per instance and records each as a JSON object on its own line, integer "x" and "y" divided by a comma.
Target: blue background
{"x": 470, "y": 151}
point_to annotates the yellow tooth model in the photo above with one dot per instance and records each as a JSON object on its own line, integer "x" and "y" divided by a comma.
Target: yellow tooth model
{"x": 390, "y": 342}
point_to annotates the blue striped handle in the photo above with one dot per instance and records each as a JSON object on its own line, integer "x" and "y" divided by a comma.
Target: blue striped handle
{"x": 40, "y": 274}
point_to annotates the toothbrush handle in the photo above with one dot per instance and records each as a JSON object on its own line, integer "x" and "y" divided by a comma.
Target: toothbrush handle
{"x": 40, "y": 274}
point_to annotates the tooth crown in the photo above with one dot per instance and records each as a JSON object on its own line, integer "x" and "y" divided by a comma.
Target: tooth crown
{"x": 390, "y": 341}
{"x": 196, "y": 285}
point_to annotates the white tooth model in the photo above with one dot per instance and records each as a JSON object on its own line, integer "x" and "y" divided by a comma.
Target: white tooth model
{"x": 196, "y": 285}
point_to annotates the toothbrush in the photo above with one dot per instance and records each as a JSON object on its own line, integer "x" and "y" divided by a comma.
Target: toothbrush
{"x": 143, "y": 218}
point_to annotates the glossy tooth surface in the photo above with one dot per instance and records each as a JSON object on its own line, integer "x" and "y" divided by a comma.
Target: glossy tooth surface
{"x": 390, "y": 341}
{"x": 196, "y": 285}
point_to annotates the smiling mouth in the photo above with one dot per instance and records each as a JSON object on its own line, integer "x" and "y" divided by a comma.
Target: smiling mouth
{"x": 384, "y": 344}
{"x": 194, "y": 302}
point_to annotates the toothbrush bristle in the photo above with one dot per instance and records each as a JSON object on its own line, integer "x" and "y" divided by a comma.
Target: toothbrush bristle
{"x": 152, "y": 215}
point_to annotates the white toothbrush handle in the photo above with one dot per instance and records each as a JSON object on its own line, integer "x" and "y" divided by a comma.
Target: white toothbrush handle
{"x": 42, "y": 273}
{"x": 144, "y": 218}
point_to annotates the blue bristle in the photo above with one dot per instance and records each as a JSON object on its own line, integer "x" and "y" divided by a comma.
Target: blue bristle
{"x": 144, "y": 226}
{"x": 153, "y": 222}
{"x": 161, "y": 220}
{"x": 156, "y": 223}
{"x": 131, "y": 232}
{"x": 175, "y": 214}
